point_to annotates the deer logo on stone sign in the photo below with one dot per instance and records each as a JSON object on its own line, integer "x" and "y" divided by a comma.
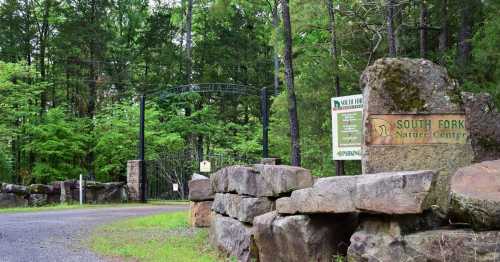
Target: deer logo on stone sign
{"x": 381, "y": 127}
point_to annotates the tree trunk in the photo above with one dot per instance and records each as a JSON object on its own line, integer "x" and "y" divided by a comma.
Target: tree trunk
{"x": 43, "y": 36}
{"x": 465, "y": 34}
{"x": 189, "y": 26}
{"x": 27, "y": 31}
{"x": 339, "y": 165}
{"x": 292, "y": 101}
{"x": 444, "y": 33}
{"x": 391, "y": 37}
{"x": 93, "y": 73}
{"x": 424, "y": 23}
{"x": 275, "y": 56}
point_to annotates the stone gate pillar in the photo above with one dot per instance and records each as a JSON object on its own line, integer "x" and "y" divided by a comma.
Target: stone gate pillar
{"x": 134, "y": 180}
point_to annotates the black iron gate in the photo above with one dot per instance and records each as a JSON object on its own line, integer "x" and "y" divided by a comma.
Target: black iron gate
{"x": 178, "y": 167}
{"x": 160, "y": 176}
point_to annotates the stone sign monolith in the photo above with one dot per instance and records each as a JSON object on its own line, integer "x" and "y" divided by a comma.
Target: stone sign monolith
{"x": 413, "y": 118}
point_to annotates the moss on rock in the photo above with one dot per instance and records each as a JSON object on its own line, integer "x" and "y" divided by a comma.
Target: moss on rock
{"x": 403, "y": 92}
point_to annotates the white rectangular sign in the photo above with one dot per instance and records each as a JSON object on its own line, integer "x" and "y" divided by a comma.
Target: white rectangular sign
{"x": 205, "y": 166}
{"x": 347, "y": 127}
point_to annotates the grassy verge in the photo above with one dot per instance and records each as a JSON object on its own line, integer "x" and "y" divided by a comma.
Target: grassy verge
{"x": 57, "y": 207}
{"x": 164, "y": 237}
{"x": 76, "y": 206}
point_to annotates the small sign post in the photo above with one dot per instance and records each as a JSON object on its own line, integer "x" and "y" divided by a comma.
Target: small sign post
{"x": 347, "y": 127}
{"x": 175, "y": 187}
{"x": 205, "y": 166}
{"x": 81, "y": 189}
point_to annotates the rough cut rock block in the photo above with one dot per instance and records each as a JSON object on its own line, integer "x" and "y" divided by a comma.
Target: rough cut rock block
{"x": 475, "y": 195}
{"x": 410, "y": 86}
{"x": 302, "y": 237}
{"x": 201, "y": 213}
{"x": 394, "y": 193}
{"x": 483, "y": 121}
{"x": 12, "y": 200}
{"x": 260, "y": 180}
{"x": 113, "y": 192}
{"x": 38, "y": 200}
{"x": 39, "y": 189}
{"x": 432, "y": 245}
{"x": 243, "y": 208}
{"x": 284, "y": 179}
{"x": 385, "y": 193}
{"x": 328, "y": 195}
{"x": 200, "y": 189}
{"x": 17, "y": 189}
{"x": 232, "y": 237}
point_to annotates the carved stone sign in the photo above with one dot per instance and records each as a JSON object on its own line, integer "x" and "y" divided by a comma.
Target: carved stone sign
{"x": 417, "y": 129}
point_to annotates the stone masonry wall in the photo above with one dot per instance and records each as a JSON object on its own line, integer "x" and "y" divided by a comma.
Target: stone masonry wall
{"x": 61, "y": 192}
{"x": 415, "y": 201}
{"x": 268, "y": 213}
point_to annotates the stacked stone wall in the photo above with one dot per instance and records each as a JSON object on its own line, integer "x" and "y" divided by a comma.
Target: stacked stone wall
{"x": 417, "y": 200}
{"x": 246, "y": 225}
{"x": 61, "y": 192}
{"x": 201, "y": 196}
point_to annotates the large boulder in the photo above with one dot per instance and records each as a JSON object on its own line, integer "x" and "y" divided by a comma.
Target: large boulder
{"x": 100, "y": 193}
{"x": 17, "y": 189}
{"x": 232, "y": 237}
{"x": 200, "y": 189}
{"x": 387, "y": 245}
{"x": 40, "y": 189}
{"x": 328, "y": 195}
{"x": 243, "y": 208}
{"x": 113, "y": 192}
{"x": 12, "y": 200}
{"x": 37, "y": 200}
{"x": 302, "y": 237}
{"x": 260, "y": 180}
{"x": 384, "y": 193}
{"x": 475, "y": 195}
{"x": 411, "y": 87}
{"x": 483, "y": 122}
{"x": 200, "y": 215}
{"x": 394, "y": 193}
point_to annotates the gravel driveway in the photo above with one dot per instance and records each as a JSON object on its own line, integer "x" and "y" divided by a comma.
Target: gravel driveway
{"x": 57, "y": 235}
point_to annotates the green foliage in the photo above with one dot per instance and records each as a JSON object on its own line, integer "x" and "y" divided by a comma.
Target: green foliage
{"x": 117, "y": 136}
{"x": 59, "y": 144}
{"x": 486, "y": 54}
{"x": 74, "y": 69}
{"x": 18, "y": 94}
{"x": 5, "y": 167}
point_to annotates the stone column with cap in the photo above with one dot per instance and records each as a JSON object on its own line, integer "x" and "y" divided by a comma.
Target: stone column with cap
{"x": 134, "y": 179}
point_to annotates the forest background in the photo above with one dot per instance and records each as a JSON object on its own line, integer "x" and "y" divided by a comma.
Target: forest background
{"x": 71, "y": 72}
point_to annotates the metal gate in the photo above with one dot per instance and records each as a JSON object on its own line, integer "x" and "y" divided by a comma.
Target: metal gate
{"x": 178, "y": 167}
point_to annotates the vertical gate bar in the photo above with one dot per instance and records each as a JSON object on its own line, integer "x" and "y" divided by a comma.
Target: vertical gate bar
{"x": 265, "y": 122}
{"x": 142, "y": 150}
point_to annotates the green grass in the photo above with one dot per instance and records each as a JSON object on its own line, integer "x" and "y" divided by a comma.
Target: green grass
{"x": 164, "y": 237}
{"x": 57, "y": 207}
